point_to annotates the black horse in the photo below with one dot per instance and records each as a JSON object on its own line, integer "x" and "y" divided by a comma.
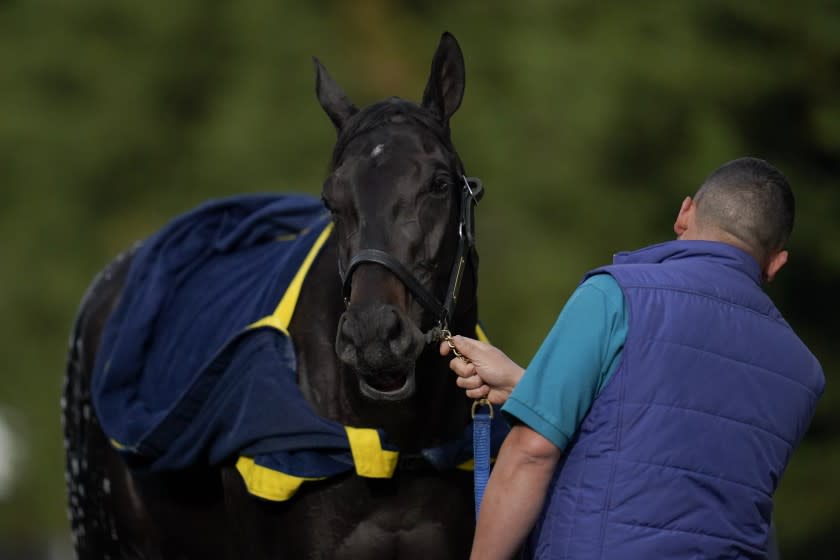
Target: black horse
{"x": 401, "y": 210}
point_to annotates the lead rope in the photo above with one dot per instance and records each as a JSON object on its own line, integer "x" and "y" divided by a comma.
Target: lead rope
{"x": 481, "y": 449}
{"x": 481, "y": 430}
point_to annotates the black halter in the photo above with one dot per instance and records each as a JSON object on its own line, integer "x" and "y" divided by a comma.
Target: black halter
{"x": 471, "y": 192}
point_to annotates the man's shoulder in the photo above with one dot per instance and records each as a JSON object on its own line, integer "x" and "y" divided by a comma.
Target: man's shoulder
{"x": 604, "y": 284}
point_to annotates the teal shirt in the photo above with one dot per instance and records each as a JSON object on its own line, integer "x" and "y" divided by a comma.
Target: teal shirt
{"x": 574, "y": 362}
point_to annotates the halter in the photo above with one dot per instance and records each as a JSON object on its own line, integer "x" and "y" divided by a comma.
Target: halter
{"x": 471, "y": 192}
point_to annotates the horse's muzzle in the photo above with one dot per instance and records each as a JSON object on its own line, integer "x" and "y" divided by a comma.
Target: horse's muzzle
{"x": 381, "y": 344}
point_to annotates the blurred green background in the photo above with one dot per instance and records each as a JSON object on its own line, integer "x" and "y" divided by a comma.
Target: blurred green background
{"x": 588, "y": 122}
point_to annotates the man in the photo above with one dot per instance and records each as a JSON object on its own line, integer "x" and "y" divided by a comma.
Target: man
{"x": 658, "y": 416}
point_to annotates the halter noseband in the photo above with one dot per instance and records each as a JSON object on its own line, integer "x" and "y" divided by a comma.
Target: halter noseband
{"x": 471, "y": 192}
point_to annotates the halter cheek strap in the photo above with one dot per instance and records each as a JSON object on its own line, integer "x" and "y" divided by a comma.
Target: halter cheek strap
{"x": 471, "y": 192}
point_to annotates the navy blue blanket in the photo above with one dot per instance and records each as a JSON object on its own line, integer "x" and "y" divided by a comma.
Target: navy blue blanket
{"x": 196, "y": 366}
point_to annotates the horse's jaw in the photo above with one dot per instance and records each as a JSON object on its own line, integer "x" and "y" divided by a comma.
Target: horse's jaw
{"x": 372, "y": 386}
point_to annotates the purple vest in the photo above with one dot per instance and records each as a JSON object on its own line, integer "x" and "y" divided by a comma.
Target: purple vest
{"x": 682, "y": 451}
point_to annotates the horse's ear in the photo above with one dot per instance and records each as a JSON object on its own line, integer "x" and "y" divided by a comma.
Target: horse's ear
{"x": 331, "y": 97}
{"x": 445, "y": 88}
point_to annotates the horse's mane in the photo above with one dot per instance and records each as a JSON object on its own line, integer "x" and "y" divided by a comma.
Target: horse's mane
{"x": 390, "y": 111}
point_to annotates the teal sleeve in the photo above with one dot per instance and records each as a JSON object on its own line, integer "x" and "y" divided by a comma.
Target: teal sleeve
{"x": 576, "y": 359}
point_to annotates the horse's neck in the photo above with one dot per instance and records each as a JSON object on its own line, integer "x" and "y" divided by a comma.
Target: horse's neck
{"x": 435, "y": 414}
{"x": 313, "y": 329}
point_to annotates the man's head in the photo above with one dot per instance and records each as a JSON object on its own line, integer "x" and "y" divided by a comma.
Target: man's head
{"x": 747, "y": 203}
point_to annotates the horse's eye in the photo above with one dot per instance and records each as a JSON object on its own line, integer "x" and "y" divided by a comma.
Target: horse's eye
{"x": 440, "y": 186}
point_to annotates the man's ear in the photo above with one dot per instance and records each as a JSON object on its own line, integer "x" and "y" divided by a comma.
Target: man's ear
{"x": 775, "y": 262}
{"x": 684, "y": 217}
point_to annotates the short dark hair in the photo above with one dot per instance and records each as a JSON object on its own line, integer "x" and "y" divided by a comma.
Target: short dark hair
{"x": 752, "y": 201}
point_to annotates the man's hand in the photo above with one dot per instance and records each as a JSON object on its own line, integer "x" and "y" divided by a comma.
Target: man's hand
{"x": 489, "y": 373}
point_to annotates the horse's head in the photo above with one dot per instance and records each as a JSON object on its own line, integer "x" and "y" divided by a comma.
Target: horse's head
{"x": 396, "y": 192}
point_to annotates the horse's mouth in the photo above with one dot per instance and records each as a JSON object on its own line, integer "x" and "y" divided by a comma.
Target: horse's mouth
{"x": 388, "y": 386}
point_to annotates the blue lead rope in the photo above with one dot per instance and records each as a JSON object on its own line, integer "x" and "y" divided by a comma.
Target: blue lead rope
{"x": 481, "y": 450}
{"x": 481, "y": 428}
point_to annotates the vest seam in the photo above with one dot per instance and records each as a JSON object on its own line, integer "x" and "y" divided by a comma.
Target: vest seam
{"x": 713, "y": 415}
{"x": 697, "y": 533}
{"x": 686, "y": 469}
{"x": 767, "y": 316}
{"x": 614, "y": 463}
{"x": 578, "y": 498}
{"x": 725, "y": 357}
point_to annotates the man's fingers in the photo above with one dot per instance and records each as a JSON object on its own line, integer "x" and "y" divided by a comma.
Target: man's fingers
{"x": 462, "y": 368}
{"x": 444, "y": 348}
{"x": 467, "y": 346}
{"x": 478, "y": 393}
{"x": 472, "y": 382}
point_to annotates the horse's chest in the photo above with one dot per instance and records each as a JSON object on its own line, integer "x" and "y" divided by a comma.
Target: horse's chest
{"x": 422, "y": 518}
{"x": 375, "y": 539}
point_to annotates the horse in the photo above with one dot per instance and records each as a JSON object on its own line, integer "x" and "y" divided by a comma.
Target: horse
{"x": 399, "y": 266}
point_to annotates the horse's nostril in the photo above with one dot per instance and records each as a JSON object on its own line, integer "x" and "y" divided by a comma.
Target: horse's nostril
{"x": 347, "y": 331}
{"x": 345, "y": 346}
{"x": 392, "y": 326}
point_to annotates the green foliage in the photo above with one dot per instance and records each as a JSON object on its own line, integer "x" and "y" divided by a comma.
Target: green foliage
{"x": 588, "y": 123}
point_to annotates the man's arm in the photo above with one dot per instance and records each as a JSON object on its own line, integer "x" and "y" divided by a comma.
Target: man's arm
{"x": 515, "y": 493}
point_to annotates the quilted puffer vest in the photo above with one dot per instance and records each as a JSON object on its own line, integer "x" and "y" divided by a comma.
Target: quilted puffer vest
{"x": 682, "y": 451}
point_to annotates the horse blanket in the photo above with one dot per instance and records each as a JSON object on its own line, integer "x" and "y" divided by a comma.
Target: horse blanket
{"x": 196, "y": 364}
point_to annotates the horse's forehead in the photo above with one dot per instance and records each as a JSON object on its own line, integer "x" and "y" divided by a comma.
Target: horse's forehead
{"x": 399, "y": 141}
